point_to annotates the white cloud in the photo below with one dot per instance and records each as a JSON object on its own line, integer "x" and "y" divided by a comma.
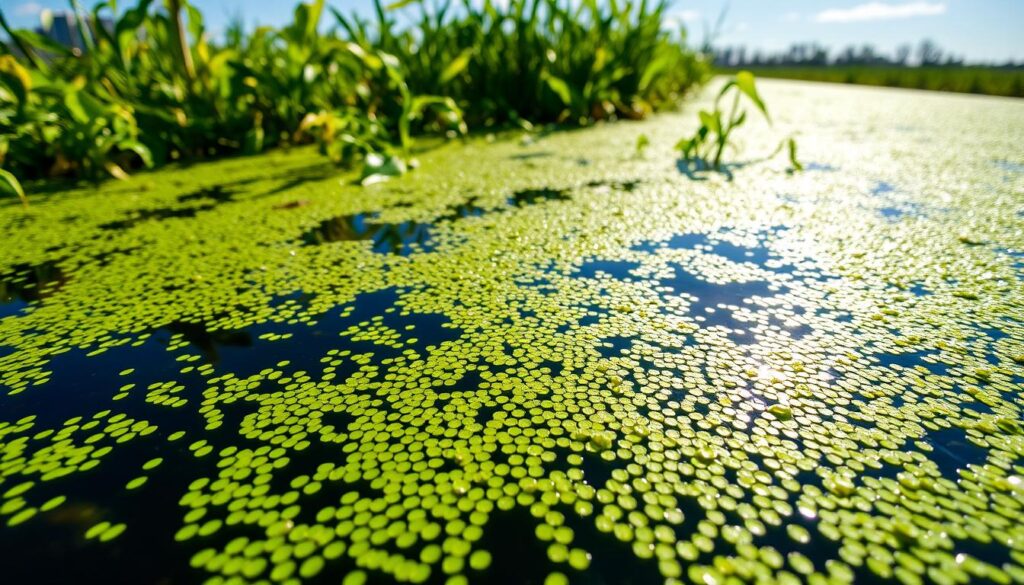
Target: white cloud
{"x": 881, "y": 11}
{"x": 686, "y": 15}
{"x": 28, "y": 9}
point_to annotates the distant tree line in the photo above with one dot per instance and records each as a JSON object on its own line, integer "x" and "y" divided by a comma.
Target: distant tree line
{"x": 926, "y": 54}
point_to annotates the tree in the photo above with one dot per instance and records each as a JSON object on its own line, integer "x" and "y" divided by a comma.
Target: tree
{"x": 903, "y": 54}
{"x": 929, "y": 53}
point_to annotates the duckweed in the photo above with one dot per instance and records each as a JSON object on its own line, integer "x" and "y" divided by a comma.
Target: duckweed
{"x": 711, "y": 381}
{"x": 480, "y": 560}
{"x": 136, "y": 483}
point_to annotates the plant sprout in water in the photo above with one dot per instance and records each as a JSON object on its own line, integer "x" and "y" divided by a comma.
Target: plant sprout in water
{"x": 706, "y": 147}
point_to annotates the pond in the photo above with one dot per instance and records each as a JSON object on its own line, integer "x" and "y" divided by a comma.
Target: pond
{"x": 510, "y": 367}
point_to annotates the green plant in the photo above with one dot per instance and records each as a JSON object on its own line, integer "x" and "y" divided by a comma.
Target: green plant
{"x": 539, "y": 60}
{"x": 11, "y": 183}
{"x": 706, "y": 148}
{"x": 642, "y": 144}
{"x": 155, "y": 87}
{"x": 707, "y": 145}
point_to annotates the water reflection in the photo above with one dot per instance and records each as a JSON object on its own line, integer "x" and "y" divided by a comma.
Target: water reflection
{"x": 402, "y": 238}
{"x": 24, "y": 283}
{"x": 534, "y": 196}
{"x": 469, "y": 208}
{"x": 209, "y": 341}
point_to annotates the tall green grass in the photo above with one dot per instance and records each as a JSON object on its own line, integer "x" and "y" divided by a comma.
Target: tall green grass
{"x": 541, "y": 60}
{"x": 159, "y": 88}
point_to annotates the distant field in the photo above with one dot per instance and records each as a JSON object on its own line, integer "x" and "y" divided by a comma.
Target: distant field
{"x": 982, "y": 80}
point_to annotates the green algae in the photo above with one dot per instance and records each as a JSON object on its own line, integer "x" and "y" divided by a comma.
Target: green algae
{"x": 822, "y": 387}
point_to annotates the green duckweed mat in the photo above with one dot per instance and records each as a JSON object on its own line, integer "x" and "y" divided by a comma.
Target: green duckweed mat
{"x": 544, "y": 359}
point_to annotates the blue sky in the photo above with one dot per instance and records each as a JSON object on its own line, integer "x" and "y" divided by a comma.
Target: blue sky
{"x": 981, "y": 30}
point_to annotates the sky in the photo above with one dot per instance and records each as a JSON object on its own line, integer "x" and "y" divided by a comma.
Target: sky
{"x": 980, "y": 30}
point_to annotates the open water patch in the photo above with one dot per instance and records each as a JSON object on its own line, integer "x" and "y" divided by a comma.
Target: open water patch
{"x": 921, "y": 358}
{"x": 953, "y": 451}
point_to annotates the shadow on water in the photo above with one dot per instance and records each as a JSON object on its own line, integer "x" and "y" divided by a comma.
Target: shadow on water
{"x": 532, "y": 155}
{"x": 405, "y": 237}
{"x": 80, "y": 379}
{"x": 137, "y": 216}
{"x": 297, "y": 177}
{"x": 23, "y": 284}
{"x": 534, "y": 196}
{"x": 307, "y": 343}
{"x": 469, "y": 208}
{"x": 824, "y": 167}
{"x": 698, "y": 171}
{"x": 216, "y": 193}
{"x": 402, "y": 238}
{"x": 210, "y": 342}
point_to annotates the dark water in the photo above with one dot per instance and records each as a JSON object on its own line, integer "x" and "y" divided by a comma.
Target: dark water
{"x": 51, "y": 547}
{"x": 26, "y": 284}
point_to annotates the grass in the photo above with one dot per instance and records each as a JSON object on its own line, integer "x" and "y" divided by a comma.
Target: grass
{"x": 978, "y": 80}
{"x": 158, "y": 88}
{"x": 541, "y": 60}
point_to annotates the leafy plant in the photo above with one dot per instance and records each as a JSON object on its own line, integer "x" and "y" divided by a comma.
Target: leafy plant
{"x": 11, "y": 182}
{"x": 155, "y": 87}
{"x": 707, "y": 146}
{"x": 539, "y": 60}
{"x": 642, "y": 143}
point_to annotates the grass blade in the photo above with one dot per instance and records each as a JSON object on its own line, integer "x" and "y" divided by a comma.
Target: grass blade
{"x": 12, "y": 183}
